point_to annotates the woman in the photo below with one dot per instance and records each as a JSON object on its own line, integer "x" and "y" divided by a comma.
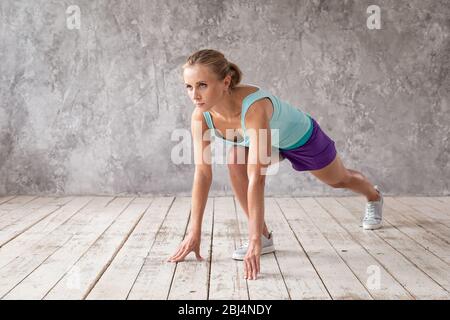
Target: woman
{"x": 231, "y": 110}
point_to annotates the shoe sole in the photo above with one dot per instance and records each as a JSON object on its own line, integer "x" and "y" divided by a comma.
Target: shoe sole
{"x": 372, "y": 227}
{"x": 265, "y": 250}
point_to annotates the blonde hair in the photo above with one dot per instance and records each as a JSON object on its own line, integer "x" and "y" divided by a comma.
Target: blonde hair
{"x": 217, "y": 63}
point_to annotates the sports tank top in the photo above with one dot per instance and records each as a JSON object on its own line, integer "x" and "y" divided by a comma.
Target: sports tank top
{"x": 294, "y": 126}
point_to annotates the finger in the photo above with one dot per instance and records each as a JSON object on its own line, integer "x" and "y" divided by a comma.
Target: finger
{"x": 250, "y": 269}
{"x": 179, "y": 255}
{"x": 178, "y": 259}
{"x": 253, "y": 262}
{"x": 174, "y": 255}
{"x": 245, "y": 269}
{"x": 258, "y": 265}
{"x": 183, "y": 255}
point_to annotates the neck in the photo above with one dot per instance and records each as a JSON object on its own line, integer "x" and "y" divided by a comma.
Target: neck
{"x": 228, "y": 108}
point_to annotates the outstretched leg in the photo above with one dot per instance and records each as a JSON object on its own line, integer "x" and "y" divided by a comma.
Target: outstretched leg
{"x": 337, "y": 176}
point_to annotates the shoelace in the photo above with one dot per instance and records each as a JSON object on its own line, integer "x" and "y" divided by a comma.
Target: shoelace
{"x": 370, "y": 211}
{"x": 244, "y": 245}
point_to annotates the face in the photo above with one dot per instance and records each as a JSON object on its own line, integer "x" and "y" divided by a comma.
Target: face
{"x": 202, "y": 86}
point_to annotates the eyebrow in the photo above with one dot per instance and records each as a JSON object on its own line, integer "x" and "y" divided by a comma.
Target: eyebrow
{"x": 197, "y": 82}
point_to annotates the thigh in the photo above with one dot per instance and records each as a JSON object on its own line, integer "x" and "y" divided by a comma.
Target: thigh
{"x": 333, "y": 174}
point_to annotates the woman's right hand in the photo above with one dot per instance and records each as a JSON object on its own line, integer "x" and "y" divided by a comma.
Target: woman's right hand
{"x": 189, "y": 244}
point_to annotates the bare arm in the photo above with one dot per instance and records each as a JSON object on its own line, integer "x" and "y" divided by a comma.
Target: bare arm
{"x": 203, "y": 171}
{"x": 200, "y": 190}
{"x": 258, "y": 129}
{"x": 200, "y": 187}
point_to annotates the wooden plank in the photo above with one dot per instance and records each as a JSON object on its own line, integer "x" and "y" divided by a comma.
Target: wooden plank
{"x": 191, "y": 278}
{"x": 435, "y": 227}
{"x": 423, "y": 259}
{"x": 14, "y": 229}
{"x": 22, "y": 243}
{"x": 153, "y": 279}
{"x": 410, "y": 227}
{"x": 78, "y": 281}
{"x": 56, "y": 229}
{"x": 420, "y": 204}
{"x": 354, "y": 255}
{"x": 441, "y": 207}
{"x": 15, "y": 202}
{"x": 270, "y": 284}
{"x": 15, "y": 271}
{"x": 44, "y": 277}
{"x": 122, "y": 276}
{"x": 5, "y": 199}
{"x": 227, "y": 277}
{"x": 445, "y": 200}
{"x": 20, "y": 209}
{"x": 300, "y": 277}
{"x": 407, "y": 274}
{"x": 338, "y": 278}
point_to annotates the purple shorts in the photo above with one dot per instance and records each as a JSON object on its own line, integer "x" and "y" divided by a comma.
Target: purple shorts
{"x": 316, "y": 153}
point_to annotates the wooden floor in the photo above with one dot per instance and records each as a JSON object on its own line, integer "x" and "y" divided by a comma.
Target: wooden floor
{"x": 116, "y": 248}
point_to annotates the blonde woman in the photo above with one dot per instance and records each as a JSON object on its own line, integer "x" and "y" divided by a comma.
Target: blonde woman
{"x": 230, "y": 110}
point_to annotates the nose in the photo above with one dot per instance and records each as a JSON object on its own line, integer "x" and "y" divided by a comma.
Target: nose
{"x": 196, "y": 95}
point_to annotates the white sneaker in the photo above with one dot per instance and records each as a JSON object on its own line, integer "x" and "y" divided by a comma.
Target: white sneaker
{"x": 266, "y": 247}
{"x": 373, "y": 216}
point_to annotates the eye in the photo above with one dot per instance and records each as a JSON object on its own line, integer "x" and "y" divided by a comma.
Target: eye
{"x": 201, "y": 84}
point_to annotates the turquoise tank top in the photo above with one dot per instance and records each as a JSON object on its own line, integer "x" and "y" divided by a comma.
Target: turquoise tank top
{"x": 294, "y": 126}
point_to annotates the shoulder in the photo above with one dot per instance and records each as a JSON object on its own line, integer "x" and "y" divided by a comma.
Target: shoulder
{"x": 257, "y": 114}
{"x": 197, "y": 114}
{"x": 198, "y": 120}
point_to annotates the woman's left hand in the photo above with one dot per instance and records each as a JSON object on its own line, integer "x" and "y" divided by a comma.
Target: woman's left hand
{"x": 251, "y": 260}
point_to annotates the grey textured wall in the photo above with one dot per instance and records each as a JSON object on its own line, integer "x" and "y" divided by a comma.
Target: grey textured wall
{"x": 91, "y": 111}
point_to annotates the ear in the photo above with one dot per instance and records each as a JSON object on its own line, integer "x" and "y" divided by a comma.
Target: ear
{"x": 227, "y": 81}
